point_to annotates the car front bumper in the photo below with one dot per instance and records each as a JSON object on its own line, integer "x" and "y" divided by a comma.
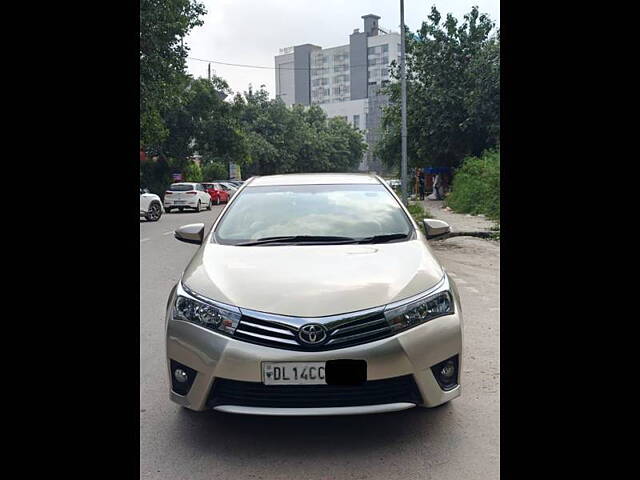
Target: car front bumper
{"x": 409, "y": 354}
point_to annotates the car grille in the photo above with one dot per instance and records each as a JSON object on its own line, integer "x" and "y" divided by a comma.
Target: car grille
{"x": 342, "y": 331}
{"x": 255, "y": 394}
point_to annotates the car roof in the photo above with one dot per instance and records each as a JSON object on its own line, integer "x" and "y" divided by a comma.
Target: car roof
{"x": 314, "y": 179}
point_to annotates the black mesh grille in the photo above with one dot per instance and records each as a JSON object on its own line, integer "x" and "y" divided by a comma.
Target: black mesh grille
{"x": 348, "y": 333}
{"x": 255, "y": 394}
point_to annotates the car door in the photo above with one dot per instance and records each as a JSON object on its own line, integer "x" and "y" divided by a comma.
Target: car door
{"x": 224, "y": 195}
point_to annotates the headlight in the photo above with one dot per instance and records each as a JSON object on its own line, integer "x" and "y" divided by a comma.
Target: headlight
{"x": 432, "y": 304}
{"x": 191, "y": 307}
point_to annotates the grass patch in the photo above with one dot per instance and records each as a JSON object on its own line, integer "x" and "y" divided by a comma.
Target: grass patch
{"x": 419, "y": 213}
{"x": 495, "y": 232}
{"x": 476, "y": 186}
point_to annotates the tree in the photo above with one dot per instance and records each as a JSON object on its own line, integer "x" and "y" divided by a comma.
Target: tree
{"x": 192, "y": 172}
{"x": 285, "y": 139}
{"x": 214, "y": 171}
{"x": 453, "y": 93}
{"x": 163, "y": 26}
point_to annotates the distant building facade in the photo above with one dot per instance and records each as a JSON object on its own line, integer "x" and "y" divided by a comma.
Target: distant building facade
{"x": 345, "y": 81}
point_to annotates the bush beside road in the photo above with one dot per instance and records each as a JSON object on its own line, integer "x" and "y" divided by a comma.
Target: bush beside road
{"x": 476, "y": 186}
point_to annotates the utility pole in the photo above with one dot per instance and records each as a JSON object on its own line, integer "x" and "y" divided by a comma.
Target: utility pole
{"x": 209, "y": 71}
{"x": 403, "y": 88}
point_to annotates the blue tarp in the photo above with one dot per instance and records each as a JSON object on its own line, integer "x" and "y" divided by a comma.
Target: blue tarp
{"x": 436, "y": 170}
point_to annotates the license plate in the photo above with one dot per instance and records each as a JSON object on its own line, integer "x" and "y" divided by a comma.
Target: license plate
{"x": 179, "y": 201}
{"x": 293, "y": 373}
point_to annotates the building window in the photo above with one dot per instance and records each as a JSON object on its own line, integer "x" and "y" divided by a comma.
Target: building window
{"x": 385, "y": 48}
{"x": 356, "y": 121}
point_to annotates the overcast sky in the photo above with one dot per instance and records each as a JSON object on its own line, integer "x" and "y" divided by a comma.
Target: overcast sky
{"x": 252, "y": 31}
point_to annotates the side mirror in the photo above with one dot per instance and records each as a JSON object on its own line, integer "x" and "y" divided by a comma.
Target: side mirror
{"x": 192, "y": 233}
{"x": 435, "y": 228}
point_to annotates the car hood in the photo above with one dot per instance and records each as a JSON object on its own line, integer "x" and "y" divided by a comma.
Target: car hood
{"x": 312, "y": 280}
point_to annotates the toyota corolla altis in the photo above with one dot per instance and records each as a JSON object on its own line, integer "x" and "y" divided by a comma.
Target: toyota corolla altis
{"x": 313, "y": 294}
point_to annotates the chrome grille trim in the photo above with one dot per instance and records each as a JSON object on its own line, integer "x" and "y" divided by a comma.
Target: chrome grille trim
{"x": 280, "y": 331}
{"x": 360, "y": 326}
{"x": 345, "y": 330}
{"x": 381, "y": 331}
{"x": 269, "y": 329}
{"x": 331, "y": 322}
{"x": 268, "y": 338}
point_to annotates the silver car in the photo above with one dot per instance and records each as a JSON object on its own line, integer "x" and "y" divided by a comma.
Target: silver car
{"x": 313, "y": 294}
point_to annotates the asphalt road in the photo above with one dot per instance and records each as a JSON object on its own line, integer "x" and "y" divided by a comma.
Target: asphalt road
{"x": 457, "y": 441}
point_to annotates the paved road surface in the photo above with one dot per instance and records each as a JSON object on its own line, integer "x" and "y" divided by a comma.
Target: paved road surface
{"x": 457, "y": 441}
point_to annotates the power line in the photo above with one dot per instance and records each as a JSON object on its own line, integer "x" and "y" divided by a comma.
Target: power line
{"x": 268, "y": 68}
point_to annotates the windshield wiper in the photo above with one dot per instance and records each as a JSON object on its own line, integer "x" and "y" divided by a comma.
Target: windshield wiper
{"x": 383, "y": 238}
{"x": 319, "y": 239}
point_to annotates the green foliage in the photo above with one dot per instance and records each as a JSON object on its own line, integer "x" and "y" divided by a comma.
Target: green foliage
{"x": 192, "y": 172}
{"x": 297, "y": 139}
{"x": 419, "y": 213}
{"x": 201, "y": 121}
{"x": 155, "y": 175}
{"x": 163, "y": 26}
{"x": 495, "y": 232}
{"x": 214, "y": 171}
{"x": 453, "y": 93}
{"x": 476, "y": 186}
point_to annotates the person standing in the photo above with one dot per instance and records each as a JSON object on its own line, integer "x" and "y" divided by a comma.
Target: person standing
{"x": 421, "y": 181}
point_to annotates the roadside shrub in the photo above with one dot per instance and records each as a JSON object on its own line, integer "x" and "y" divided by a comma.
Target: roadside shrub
{"x": 192, "y": 172}
{"x": 418, "y": 213}
{"x": 476, "y": 186}
{"x": 214, "y": 171}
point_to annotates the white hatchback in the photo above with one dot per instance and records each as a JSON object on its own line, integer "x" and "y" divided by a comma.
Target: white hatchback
{"x": 186, "y": 195}
{"x": 150, "y": 206}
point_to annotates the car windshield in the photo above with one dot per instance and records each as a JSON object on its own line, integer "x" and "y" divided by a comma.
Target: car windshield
{"x": 332, "y": 211}
{"x": 181, "y": 187}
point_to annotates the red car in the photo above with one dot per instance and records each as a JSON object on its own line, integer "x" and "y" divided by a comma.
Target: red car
{"x": 217, "y": 193}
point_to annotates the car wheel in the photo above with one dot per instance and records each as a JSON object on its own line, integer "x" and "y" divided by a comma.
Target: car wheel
{"x": 167, "y": 209}
{"x": 199, "y": 207}
{"x": 154, "y": 213}
{"x": 181, "y": 209}
{"x": 209, "y": 205}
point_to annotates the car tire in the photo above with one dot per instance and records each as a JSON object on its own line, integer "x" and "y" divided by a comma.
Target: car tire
{"x": 167, "y": 209}
{"x": 154, "y": 213}
{"x": 209, "y": 205}
{"x": 199, "y": 206}
{"x": 181, "y": 209}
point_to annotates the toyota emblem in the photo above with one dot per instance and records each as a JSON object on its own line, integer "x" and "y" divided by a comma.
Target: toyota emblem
{"x": 312, "y": 334}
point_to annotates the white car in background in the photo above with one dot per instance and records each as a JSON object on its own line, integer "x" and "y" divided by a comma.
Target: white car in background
{"x": 150, "y": 206}
{"x": 187, "y": 195}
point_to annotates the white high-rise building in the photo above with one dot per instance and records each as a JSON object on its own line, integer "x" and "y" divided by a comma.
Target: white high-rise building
{"x": 344, "y": 81}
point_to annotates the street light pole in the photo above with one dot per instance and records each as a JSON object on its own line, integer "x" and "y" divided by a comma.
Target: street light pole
{"x": 403, "y": 88}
